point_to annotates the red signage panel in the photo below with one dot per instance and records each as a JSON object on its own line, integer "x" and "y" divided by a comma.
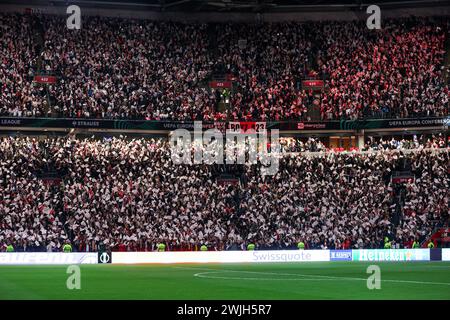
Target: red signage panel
{"x": 45, "y": 79}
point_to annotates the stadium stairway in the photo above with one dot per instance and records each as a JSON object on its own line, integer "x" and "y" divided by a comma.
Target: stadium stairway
{"x": 399, "y": 202}
{"x": 313, "y": 113}
{"x": 313, "y": 54}
{"x": 231, "y": 175}
{"x": 212, "y": 38}
{"x": 401, "y": 174}
{"x": 54, "y": 178}
{"x": 39, "y": 39}
{"x": 219, "y": 71}
{"x": 446, "y": 63}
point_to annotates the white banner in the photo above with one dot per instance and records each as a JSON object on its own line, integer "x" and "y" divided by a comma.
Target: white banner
{"x": 445, "y": 254}
{"x": 221, "y": 256}
{"x": 16, "y": 258}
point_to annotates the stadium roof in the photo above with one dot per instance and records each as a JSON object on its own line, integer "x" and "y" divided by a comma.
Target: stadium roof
{"x": 233, "y": 5}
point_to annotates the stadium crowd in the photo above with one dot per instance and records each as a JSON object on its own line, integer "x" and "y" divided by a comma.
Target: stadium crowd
{"x": 18, "y": 58}
{"x": 311, "y": 144}
{"x": 126, "y": 194}
{"x": 422, "y": 142}
{"x": 116, "y": 68}
{"x": 291, "y": 144}
{"x": 392, "y": 72}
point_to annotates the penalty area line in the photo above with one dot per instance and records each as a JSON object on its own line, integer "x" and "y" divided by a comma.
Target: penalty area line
{"x": 207, "y": 275}
{"x": 311, "y": 277}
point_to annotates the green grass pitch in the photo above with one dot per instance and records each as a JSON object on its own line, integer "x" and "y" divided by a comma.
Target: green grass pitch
{"x": 297, "y": 281}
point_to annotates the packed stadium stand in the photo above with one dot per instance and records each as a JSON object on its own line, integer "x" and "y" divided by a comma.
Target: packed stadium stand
{"x": 132, "y": 69}
{"x": 128, "y": 195}
{"x": 102, "y": 185}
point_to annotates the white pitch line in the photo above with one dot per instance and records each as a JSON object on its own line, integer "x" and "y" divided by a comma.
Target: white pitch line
{"x": 206, "y": 276}
{"x": 305, "y": 275}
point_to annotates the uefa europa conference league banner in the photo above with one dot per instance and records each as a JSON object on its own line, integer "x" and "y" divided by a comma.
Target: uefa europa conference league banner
{"x": 273, "y": 256}
{"x": 137, "y": 125}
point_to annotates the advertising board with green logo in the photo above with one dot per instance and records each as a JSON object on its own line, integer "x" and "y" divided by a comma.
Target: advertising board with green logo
{"x": 391, "y": 255}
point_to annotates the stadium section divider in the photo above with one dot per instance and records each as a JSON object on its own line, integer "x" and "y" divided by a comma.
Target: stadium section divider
{"x": 257, "y": 256}
{"x": 163, "y": 125}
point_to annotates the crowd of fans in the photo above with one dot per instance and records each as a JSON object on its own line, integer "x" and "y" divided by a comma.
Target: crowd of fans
{"x": 311, "y": 144}
{"x": 116, "y": 68}
{"x": 396, "y": 71}
{"x": 423, "y": 142}
{"x": 18, "y": 58}
{"x": 127, "y": 194}
{"x": 292, "y": 144}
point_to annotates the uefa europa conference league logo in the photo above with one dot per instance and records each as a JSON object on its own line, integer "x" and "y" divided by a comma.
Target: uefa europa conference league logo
{"x": 241, "y": 147}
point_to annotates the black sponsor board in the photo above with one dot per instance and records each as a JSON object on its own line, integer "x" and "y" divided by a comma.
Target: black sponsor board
{"x": 104, "y": 257}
